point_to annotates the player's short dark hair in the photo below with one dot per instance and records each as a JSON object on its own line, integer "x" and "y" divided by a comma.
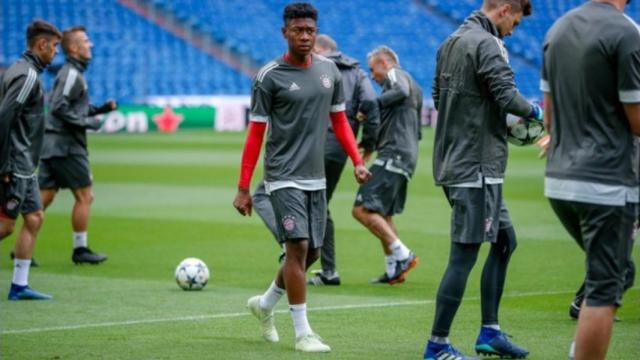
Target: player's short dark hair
{"x": 516, "y": 5}
{"x": 67, "y": 36}
{"x": 298, "y": 11}
{"x": 39, "y": 28}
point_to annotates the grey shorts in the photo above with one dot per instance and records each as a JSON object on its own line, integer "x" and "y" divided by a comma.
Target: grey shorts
{"x": 300, "y": 215}
{"x": 385, "y": 193}
{"x": 605, "y": 233}
{"x": 262, "y": 206}
{"x": 19, "y": 196}
{"x": 477, "y": 213}
{"x": 71, "y": 172}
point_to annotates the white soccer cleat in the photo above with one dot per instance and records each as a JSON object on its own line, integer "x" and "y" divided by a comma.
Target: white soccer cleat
{"x": 311, "y": 343}
{"x": 265, "y": 317}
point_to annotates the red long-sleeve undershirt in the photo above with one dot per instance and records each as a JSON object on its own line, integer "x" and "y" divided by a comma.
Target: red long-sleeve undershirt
{"x": 255, "y": 137}
{"x": 251, "y": 153}
{"x": 344, "y": 133}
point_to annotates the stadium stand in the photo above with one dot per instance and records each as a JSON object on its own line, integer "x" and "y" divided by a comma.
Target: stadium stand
{"x": 133, "y": 58}
{"x": 138, "y": 58}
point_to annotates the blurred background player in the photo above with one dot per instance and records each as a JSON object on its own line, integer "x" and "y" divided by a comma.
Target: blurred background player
{"x": 64, "y": 159}
{"x": 21, "y": 132}
{"x": 591, "y": 85}
{"x": 384, "y": 196}
{"x": 473, "y": 90}
{"x": 362, "y": 111}
{"x": 295, "y": 94}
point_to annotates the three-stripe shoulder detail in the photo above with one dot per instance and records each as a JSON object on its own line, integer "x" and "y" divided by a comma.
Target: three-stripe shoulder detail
{"x": 32, "y": 76}
{"x": 393, "y": 77}
{"x": 70, "y": 81}
{"x": 265, "y": 70}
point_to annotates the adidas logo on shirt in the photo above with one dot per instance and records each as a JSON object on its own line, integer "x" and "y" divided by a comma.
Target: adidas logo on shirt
{"x": 294, "y": 87}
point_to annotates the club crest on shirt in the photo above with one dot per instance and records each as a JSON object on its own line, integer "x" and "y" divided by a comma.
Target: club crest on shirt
{"x": 289, "y": 222}
{"x": 326, "y": 81}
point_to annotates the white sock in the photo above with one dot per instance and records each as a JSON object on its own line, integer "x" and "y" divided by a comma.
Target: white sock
{"x": 492, "y": 326}
{"x": 440, "y": 339}
{"x": 390, "y": 265}
{"x": 400, "y": 251}
{"x": 79, "y": 239}
{"x": 270, "y": 298}
{"x": 572, "y": 350}
{"x": 300, "y": 322}
{"x": 21, "y": 271}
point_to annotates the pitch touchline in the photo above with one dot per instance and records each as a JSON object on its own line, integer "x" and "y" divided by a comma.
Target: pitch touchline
{"x": 240, "y": 314}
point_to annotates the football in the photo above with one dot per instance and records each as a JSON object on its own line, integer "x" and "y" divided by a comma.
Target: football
{"x": 192, "y": 274}
{"x": 523, "y": 131}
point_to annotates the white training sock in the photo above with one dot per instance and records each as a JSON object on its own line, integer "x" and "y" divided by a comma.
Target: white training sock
{"x": 390, "y": 265}
{"x": 79, "y": 239}
{"x": 21, "y": 271}
{"x": 440, "y": 340}
{"x": 492, "y": 326}
{"x": 300, "y": 322}
{"x": 270, "y": 298}
{"x": 400, "y": 251}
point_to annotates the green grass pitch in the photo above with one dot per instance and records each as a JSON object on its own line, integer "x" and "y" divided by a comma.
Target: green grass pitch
{"x": 161, "y": 198}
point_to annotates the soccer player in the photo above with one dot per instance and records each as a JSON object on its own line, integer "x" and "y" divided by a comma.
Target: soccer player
{"x": 21, "y": 132}
{"x": 384, "y": 196}
{"x": 295, "y": 94}
{"x": 473, "y": 90}
{"x": 362, "y": 111}
{"x": 65, "y": 161}
{"x": 591, "y": 85}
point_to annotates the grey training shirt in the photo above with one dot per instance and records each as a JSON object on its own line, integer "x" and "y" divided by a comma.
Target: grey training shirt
{"x": 296, "y": 103}
{"x": 591, "y": 67}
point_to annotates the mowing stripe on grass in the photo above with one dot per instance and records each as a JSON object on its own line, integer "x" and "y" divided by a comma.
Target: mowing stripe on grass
{"x": 241, "y": 314}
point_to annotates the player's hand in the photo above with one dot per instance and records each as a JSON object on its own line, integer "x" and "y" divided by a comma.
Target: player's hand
{"x": 543, "y": 144}
{"x": 360, "y": 116}
{"x": 243, "y": 202}
{"x": 112, "y": 104}
{"x": 362, "y": 174}
{"x": 6, "y": 178}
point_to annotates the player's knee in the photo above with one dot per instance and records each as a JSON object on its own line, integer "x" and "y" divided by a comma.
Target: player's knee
{"x": 507, "y": 240}
{"x": 297, "y": 250}
{"x": 87, "y": 199}
{"x": 84, "y": 196}
{"x": 358, "y": 213}
{"x": 34, "y": 220}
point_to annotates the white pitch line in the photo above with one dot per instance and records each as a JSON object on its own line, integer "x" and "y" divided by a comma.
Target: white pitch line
{"x": 240, "y": 314}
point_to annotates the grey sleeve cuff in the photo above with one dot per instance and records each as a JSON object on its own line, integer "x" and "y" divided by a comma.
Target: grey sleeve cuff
{"x": 519, "y": 106}
{"x": 544, "y": 86}
{"x": 629, "y": 96}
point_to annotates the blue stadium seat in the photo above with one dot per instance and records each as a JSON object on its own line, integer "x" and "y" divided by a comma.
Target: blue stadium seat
{"x": 134, "y": 58}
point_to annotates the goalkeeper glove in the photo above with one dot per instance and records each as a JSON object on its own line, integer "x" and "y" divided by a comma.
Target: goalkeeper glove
{"x": 536, "y": 113}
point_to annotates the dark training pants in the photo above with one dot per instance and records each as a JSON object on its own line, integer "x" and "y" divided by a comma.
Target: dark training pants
{"x": 462, "y": 258}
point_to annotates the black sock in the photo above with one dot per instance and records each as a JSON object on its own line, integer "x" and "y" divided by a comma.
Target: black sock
{"x": 461, "y": 261}
{"x": 494, "y": 274}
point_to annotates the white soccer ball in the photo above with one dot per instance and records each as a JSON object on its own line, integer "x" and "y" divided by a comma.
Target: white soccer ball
{"x": 523, "y": 131}
{"x": 192, "y": 274}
